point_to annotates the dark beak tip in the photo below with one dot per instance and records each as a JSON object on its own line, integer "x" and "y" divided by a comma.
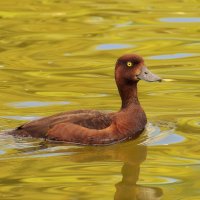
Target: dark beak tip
{"x": 160, "y": 80}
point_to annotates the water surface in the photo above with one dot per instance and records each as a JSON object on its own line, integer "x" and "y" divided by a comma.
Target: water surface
{"x": 59, "y": 55}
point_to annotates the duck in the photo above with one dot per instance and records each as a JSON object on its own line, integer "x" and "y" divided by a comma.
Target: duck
{"x": 92, "y": 127}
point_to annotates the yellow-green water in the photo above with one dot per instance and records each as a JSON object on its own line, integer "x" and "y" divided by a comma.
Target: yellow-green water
{"x": 59, "y": 55}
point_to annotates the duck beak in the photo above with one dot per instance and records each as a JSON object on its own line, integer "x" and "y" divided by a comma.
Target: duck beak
{"x": 146, "y": 75}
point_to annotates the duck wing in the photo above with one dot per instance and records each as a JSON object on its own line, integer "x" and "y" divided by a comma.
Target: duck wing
{"x": 86, "y": 118}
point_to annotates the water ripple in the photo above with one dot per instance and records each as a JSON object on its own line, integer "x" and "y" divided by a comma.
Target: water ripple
{"x": 172, "y": 56}
{"x": 29, "y": 104}
{"x": 106, "y": 47}
{"x": 189, "y": 124}
{"x": 2, "y": 152}
{"x": 180, "y": 19}
{"x": 163, "y": 180}
{"x": 157, "y": 136}
{"x": 18, "y": 117}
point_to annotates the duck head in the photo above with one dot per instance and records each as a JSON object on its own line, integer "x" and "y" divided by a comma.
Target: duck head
{"x": 130, "y": 68}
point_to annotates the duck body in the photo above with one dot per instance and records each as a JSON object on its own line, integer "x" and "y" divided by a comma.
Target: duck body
{"x": 90, "y": 127}
{"x": 87, "y": 127}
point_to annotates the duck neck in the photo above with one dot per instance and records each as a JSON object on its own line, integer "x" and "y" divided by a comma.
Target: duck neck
{"x": 128, "y": 93}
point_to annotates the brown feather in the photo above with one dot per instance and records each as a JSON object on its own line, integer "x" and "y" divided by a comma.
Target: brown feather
{"x": 85, "y": 118}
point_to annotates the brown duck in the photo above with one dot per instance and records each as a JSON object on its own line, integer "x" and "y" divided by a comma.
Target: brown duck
{"x": 89, "y": 127}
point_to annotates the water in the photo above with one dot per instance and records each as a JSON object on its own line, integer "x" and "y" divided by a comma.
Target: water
{"x": 58, "y": 55}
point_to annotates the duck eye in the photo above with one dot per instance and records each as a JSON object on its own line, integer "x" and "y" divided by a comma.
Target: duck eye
{"x": 129, "y": 64}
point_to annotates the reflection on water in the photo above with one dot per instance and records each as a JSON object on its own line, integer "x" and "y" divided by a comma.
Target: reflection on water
{"x": 77, "y": 166}
{"x": 82, "y": 160}
{"x": 36, "y": 104}
{"x": 112, "y": 46}
{"x": 58, "y": 55}
{"x": 132, "y": 156}
{"x": 172, "y": 56}
{"x": 181, "y": 19}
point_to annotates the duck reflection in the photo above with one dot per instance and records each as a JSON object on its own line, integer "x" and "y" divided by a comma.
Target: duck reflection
{"x": 132, "y": 155}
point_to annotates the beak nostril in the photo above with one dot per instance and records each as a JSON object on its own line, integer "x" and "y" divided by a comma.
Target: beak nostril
{"x": 146, "y": 75}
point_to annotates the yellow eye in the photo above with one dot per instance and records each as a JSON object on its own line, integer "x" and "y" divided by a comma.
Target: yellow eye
{"x": 129, "y": 64}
